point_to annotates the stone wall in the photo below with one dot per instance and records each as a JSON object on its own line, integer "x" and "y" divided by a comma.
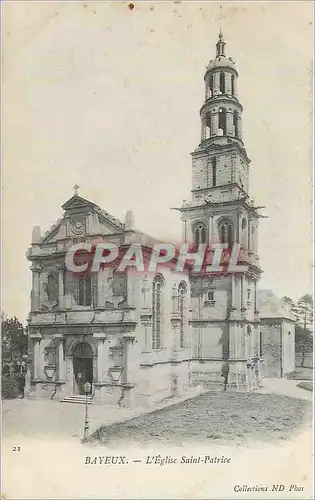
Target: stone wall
{"x": 278, "y": 346}
{"x": 270, "y": 347}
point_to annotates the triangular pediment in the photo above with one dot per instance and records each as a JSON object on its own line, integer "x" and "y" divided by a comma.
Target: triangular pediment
{"x": 82, "y": 218}
{"x": 76, "y": 202}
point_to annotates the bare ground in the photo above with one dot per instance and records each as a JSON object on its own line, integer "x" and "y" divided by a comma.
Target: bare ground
{"x": 220, "y": 417}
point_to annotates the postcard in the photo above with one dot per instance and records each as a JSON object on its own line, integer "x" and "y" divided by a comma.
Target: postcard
{"x": 157, "y": 313}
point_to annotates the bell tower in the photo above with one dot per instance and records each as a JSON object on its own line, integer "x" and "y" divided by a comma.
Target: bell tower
{"x": 224, "y": 307}
{"x": 221, "y": 159}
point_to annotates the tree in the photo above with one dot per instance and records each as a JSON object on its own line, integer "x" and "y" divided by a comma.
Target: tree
{"x": 303, "y": 342}
{"x": 303, "y": 313}
{"x": 288, "y": 301}
{"x": 14, "y": 341}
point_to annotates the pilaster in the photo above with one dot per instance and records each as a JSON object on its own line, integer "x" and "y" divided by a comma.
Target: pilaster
{"x": 102, "y": 356}
{"x": 36, "y": 269}
{"x": 61, "y": 291}
{"x": 61, "y": 368}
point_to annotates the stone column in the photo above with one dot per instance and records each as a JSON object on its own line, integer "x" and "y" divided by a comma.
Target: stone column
{"x": 233, "y": 302}
{"x": 175, "y": 298}
{"x": 146, "y": 314}
{"x": 184, "y": 230}
{"x": 60, "y": 357}
{"x": 239, "y": 229}
{"x": 243, "y": 292}
{"x": 129, "y": 371}
{"x": 61, "y": 368}
{"x": 233, "y": 349}
{"x": 37, "y": 362}
{"x": 232, "y": 309}
{"x": 128, "y": 358}
{"x": 235, "y": 86}
{"x": 207, "y": 89}
{"x": 238, "y": 292}
{"x": 100, "y": 289}
{"x": 36, "y": 338}
{"x": 228, "y": 83}
{"x": 214, "y": 123}
{"x": 255, "y": 240}
{"x": 239, "y": 125}
{"x": 249, "y": 235}
{"x": 216, "y": 83}
{"x": 210, "y": 240}
{"x": 35, "y": 268}
{"x": 203, "y": 128}
{"x": 101, "y": 361}
{"x": 229, "y": 123}
{"x": 130, "y": 274}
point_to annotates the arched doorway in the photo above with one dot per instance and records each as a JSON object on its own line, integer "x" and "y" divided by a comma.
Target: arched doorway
{"x": 82, "y": 366}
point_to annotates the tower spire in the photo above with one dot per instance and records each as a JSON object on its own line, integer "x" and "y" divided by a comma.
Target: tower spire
{"x": 220, "y": 45}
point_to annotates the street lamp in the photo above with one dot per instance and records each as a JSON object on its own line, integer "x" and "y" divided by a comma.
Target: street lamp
{"x": 87, "y": 389}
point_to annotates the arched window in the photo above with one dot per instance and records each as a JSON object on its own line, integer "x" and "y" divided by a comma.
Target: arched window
{"x": 233, "y": 84}
{"x": 157, "y": 312}
{"x": 200, "y": 234}
{"x": 182, "y": 293}
{"x": 222, "y": 82}
{"x": 226, "y": 231}
{"x": 235, "y": 123}
{"x": 211, "y": 85}
{"x": 210, "y": 296}
{"x": 82, "y": 350}
{"x": 214, "y": 171}
{"x": 222, "y": 120}
{"x": 50, "y": 353}
{"x": 85, "y": 290}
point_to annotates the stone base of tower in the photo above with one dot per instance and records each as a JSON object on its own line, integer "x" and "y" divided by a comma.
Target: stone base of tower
{"x": 221, "y": 375}
{"x": 243, "y": 376}
{"x": 209, "y": 374}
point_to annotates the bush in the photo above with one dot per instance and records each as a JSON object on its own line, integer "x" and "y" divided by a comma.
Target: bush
{"x": 10, "y": 387}
{"x": 307, "y": 386}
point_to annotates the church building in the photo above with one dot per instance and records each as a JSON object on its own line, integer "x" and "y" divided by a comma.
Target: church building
{"x": 136, "y": 337}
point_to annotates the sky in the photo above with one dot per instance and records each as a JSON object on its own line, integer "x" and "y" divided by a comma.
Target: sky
{"x": 108, "y": 98}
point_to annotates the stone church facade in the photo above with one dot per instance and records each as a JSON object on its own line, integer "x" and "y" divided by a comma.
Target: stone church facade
{"x": 124, "y": 332}
{"x": 140, "y": 338}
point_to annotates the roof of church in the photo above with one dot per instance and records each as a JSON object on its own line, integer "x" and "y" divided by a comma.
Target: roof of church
{"x": 221, "y": 60}
{"x": 271, "y": 306}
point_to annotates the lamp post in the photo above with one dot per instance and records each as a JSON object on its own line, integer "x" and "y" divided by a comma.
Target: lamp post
{"x": 87, "y": 390}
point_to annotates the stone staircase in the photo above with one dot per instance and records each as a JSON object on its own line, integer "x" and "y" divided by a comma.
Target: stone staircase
{"x": 77, "y": 399}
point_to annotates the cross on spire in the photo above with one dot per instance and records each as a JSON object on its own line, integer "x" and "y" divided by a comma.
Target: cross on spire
{"x": 221, "y": 43}
{"x": 75, "y": 189}
{"x": 220, "y": 19}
